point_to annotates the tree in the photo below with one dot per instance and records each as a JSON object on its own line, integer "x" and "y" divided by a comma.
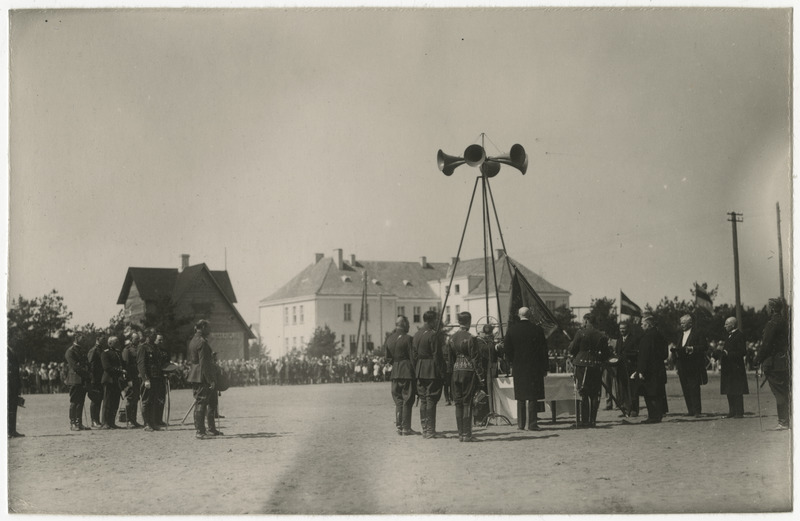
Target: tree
{"x": 257, "y": 350}
{"x": 36, "y": 327}
{"x": 323, "y": 343}
{"x": 168, "y": 323}
{"x": 565, "y": 319}
{"x": 604, "y": 312}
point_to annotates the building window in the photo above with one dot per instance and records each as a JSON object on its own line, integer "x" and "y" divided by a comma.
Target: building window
{"x": 294, "y": 315}
{"x": 401, "y": 311}
{"x": 286, "y": 316}
{"x": 301, "y": 314}
{"x": 458, "y": 289}
{"x": 551, "y": 304}
{"x": 302, "y": 341}
{"x": 352, "y": 342}
{"x": 447, "y": 315}
{"x": 294, "y": 341}
{"x": 458, "y": 310}
{"x": 433, "y": 308}
{"x": 348, "y": 312}
{"x": 417, "y": 314}
{"x": 343, "y": 339}
{"x": 286, "y": 343}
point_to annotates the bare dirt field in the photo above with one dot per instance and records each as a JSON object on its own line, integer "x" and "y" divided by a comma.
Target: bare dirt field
{"x": 332, "y": 449}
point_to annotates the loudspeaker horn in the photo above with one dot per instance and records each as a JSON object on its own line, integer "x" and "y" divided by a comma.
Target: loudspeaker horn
{"x": 517, "y": 158}
{"x": 447, "y": 164}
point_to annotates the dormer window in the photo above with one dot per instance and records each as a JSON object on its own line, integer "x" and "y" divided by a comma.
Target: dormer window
{"x": 406, "y": 282}
{"x": 346, "y": 278}
{"x": 376, "y": 282}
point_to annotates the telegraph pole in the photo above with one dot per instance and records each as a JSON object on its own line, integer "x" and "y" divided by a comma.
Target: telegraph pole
{"x": 780, "y": 249}
{"x": 734, "y": 218}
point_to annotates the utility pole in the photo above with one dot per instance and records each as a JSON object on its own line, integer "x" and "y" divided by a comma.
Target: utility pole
{"x": 734, "y": 218}
{"x": 780, "y": 250}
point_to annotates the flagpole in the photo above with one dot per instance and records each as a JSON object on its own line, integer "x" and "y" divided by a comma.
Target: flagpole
{"x": 734, "y": 218}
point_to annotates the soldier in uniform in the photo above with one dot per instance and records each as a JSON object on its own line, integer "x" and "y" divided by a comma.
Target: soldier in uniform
{"x": 733, "y": 375}
{"x": 153, "y": 388}
{"x": 14, "y": 391}
{"x": 525, "y": 347}
{"x": 113, "y": 379}
{"x": 95, "y": 390}
{"x": 78, "y": 380}
{"x": 774, "y": 359}
{"x": 427, "y": 351}
{"x": 399, "y": 354}
{"x": 590, "y": 350}
{"x": 650, "y": 370}
{"x": 129, "y": 357}
{"x": 628, "y": 354}
{"x": 161, "y": 399}
{"x": 202, "y": 377}
{"x": 463, "y": 354}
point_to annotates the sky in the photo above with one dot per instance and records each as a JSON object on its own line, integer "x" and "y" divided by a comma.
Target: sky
{"x": 253, "y": 139}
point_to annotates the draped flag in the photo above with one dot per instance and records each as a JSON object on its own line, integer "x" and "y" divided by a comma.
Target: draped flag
{"x": 701, "y": 298}
{"x": 628, "y": 307}
{"x": 523, "y": 295}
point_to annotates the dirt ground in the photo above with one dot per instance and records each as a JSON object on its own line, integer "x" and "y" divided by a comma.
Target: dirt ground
{"x": 332, "y": 449}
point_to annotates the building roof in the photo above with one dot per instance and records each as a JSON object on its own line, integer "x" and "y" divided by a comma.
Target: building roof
{"x": 405, "y": 280}
{"x": 156, "y": 283}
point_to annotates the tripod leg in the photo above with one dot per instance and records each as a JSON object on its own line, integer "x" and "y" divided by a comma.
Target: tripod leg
{"x": 188, "y": 412}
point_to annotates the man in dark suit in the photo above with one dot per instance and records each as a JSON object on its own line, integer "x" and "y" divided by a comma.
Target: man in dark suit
{"x": 463, "y": 357}
{"x": 733, "y": 376}
{"x": 202, "y": 376}
{"x": 399, "y": 354}
{"x": 650, "y": 370}
{"x": 78, "y": 380}
{"x": 148, "y": 363}
{"x": 774, "y": 357}
{"x": 590, "y": 351}
{"x": 690, "y": 354}
{"x": 113, "y": 379}
{"x": 628, "y": 354}
{"x": 430, "y": 370}
{"x": 525, "y": 347}
{"x": 95, "y": 389}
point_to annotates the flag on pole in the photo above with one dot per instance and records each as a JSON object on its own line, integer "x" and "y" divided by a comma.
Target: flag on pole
{"x": 628, "y": 307}
{"x": 523, "y": 295}
{"x": 701, "y": 298}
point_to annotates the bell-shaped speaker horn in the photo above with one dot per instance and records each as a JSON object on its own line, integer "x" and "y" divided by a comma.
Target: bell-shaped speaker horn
{"x": 448, "y": 163}
{"x": 490, "y": 168}
{"x": 516, "y": 158}
{"x": 474, "y": 155}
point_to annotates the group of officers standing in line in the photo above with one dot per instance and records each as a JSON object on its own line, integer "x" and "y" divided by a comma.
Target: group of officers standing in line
{"x": 139, "y": 371}
{"x": 634, "y": 364}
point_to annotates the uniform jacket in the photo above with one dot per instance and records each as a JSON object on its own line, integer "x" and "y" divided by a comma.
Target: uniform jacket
{"x": 113, "y": 368}
{"x": 95, "y": 364}
{"x": 589, "y": 347}
{"x": 129, "y": 357}
{"x": 427, "y": 351}
{"x": 148, "y": 362}
{"x": 399, "y": 347}
{"x": 78, "y": 366}
{"x": 462, "y": 351}
{"x": 774, "y": 350}
{"x": 733, "y": 375}
{"x": 525, "y": 347}
{"x": 653, "y": 351}
{"x": 201, "y": 359}
{"x": 694, "y": 363}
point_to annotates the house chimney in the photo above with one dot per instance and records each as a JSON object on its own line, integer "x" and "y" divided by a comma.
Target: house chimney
{"x": 318, "y": 257}
{"x": 184, "y": 261}
{"x": 338, "y": 258}
{"x": 499, "y": 254}
{"x": 423, "y": 262}
{"x": 353, "y": 259}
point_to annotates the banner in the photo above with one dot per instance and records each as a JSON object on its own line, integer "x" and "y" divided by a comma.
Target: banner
{"x": 523, "y": 295}
{"x": 628, "y": 307}
{"x": 701, "y": 298}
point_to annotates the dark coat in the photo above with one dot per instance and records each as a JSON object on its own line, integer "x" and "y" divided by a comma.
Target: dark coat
{"x": 733, "y": 375}
{"x": 525, "y": 347}
{"x": 692, "y": 365}
{"x": 589, "y": 347}
{"x": 95, "y": 364}
{"x": 113, "y": 368}
{"x": 129, "y": 355}
{"x": 14, "y": 380}
{"x": 78, "y": 364}
{"x": 201, "y": 359}
{"x": 653, "y": 351}
{"x": 462, "y": 351}
{"x": 774, "y": 350}
{"x": 427, "y": 351}
{"x": 399, "y": 349}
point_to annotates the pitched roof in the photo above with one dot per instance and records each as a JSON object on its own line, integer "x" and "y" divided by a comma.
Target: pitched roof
{"x": 156, "y": 283}
{"x": 407, "y": 280}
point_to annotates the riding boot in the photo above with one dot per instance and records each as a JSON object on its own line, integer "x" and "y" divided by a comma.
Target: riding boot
{"x": 533, "y": 415}
{"x": 398, "y": 418}
{"x": 406, "y": 417}
{"x": 79, "y": 417}
{"x": 460, "y": 421}
{"x": 466, "y": 422}
{"x": 432, "y": 420}
{"x": 423, "y": 417}
{"x": 521, "y": 415}
{"x": 200, "y": 412}
{"x": 586, "y": 412}
{"x": 595, "y": 404}
{"x": 72, "y": 407}
{"x": 212, "y": 424}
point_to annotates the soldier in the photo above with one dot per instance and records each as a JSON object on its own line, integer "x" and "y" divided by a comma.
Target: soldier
{"x": 525, "y": 347}
{"x": 14, "y": 392}
{"x": 427, "y": 351}
{"x": 463, "y": 356}
{"x": 153, "y": 388}
{"x": 113, "y": 379}
{"x": 129, "y": 355}
{"x": 95, "y": 390}
{"x": 161, "y": 399}
{"x": 203, "y": 379}
{"x": 399, "y": 353}
{"x": 590, "y": 350}
{"x": 78, "y": 379}
{"x": 775, "y": 362}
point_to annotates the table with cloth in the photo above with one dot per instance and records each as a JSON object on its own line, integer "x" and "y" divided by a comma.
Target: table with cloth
{"x": 559, "y": 395}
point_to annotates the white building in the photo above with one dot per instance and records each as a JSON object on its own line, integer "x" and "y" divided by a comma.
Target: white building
{"x": 329, "y": 292}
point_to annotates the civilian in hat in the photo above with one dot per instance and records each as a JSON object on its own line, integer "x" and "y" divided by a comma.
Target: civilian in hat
{"x": 525, "y": 348}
